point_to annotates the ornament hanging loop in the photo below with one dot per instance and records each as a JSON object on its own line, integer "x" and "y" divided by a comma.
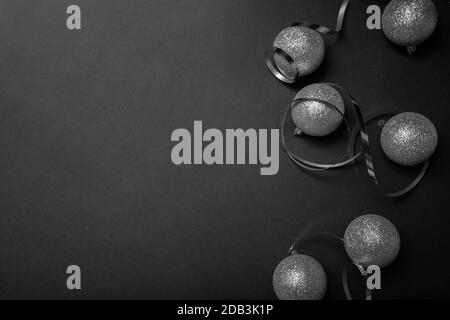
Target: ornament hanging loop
{"x": 411, "y": 49}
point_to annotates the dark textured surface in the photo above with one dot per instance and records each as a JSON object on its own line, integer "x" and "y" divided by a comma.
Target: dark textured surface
{"x": 85, "y": 170}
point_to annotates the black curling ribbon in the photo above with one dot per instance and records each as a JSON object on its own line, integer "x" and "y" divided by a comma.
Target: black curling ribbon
{"x": 270, "y": 55}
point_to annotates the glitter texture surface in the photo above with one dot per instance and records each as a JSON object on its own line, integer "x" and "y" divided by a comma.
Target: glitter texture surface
{"x": 305, "y": 46}
{"x": 409, "y": 22}
{"x": 315, "y": 118}
{"x": 372, "y": 240}
{"x": 409, "y": 138}
{"x": 299, "y": 277}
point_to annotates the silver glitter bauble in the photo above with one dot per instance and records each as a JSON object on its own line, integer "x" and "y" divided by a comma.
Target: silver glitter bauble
{"x": 299, "y": 277}
{"x": 372, "y": 240}
{"x": 409, "y": 138}
{"x": 315, "y": 118}
{"x": 304, "y": 45}
{"x": 409, "y": 22}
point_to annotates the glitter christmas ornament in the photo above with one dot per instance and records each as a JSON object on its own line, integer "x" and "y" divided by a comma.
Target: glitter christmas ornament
{"x": 372, "y": 240}
{"x": 409, "y": 138}
{"x": 300, "y": 49}
{"x": 306, "y": 48}
{"x": 299, "y": 277}
{"x": 316, "y": 118}
{"x": 409, "y": 22}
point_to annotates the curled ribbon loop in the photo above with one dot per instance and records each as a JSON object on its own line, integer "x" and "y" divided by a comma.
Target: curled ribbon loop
{"x": 302, "y": 238}
{"x": 270, "y": 55}
{"x": 348, "y": 295}
{"x": 308, "y": 165}
{"x": 325, "y": 30}
{"x": 273, "y": 68}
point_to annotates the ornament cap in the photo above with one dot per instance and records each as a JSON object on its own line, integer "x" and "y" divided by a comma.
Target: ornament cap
{"x": 411, "y": 49}
{"x": 298, "y": 132}
{"x": 361, "y": 269}
{"x": 381, "y": 123}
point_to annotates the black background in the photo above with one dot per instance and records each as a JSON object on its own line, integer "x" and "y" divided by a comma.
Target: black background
{"x": 85, "y": 170}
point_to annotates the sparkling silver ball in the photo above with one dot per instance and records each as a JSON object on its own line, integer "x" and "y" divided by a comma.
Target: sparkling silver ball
{"x": 409, "y": 22}
{"x": 372, "y": 240}
{"x": 299, "y": 277}
{"x": 316, "y": 118}
{"x": 409, "y": 138}
{"x": 304, "y": 45}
